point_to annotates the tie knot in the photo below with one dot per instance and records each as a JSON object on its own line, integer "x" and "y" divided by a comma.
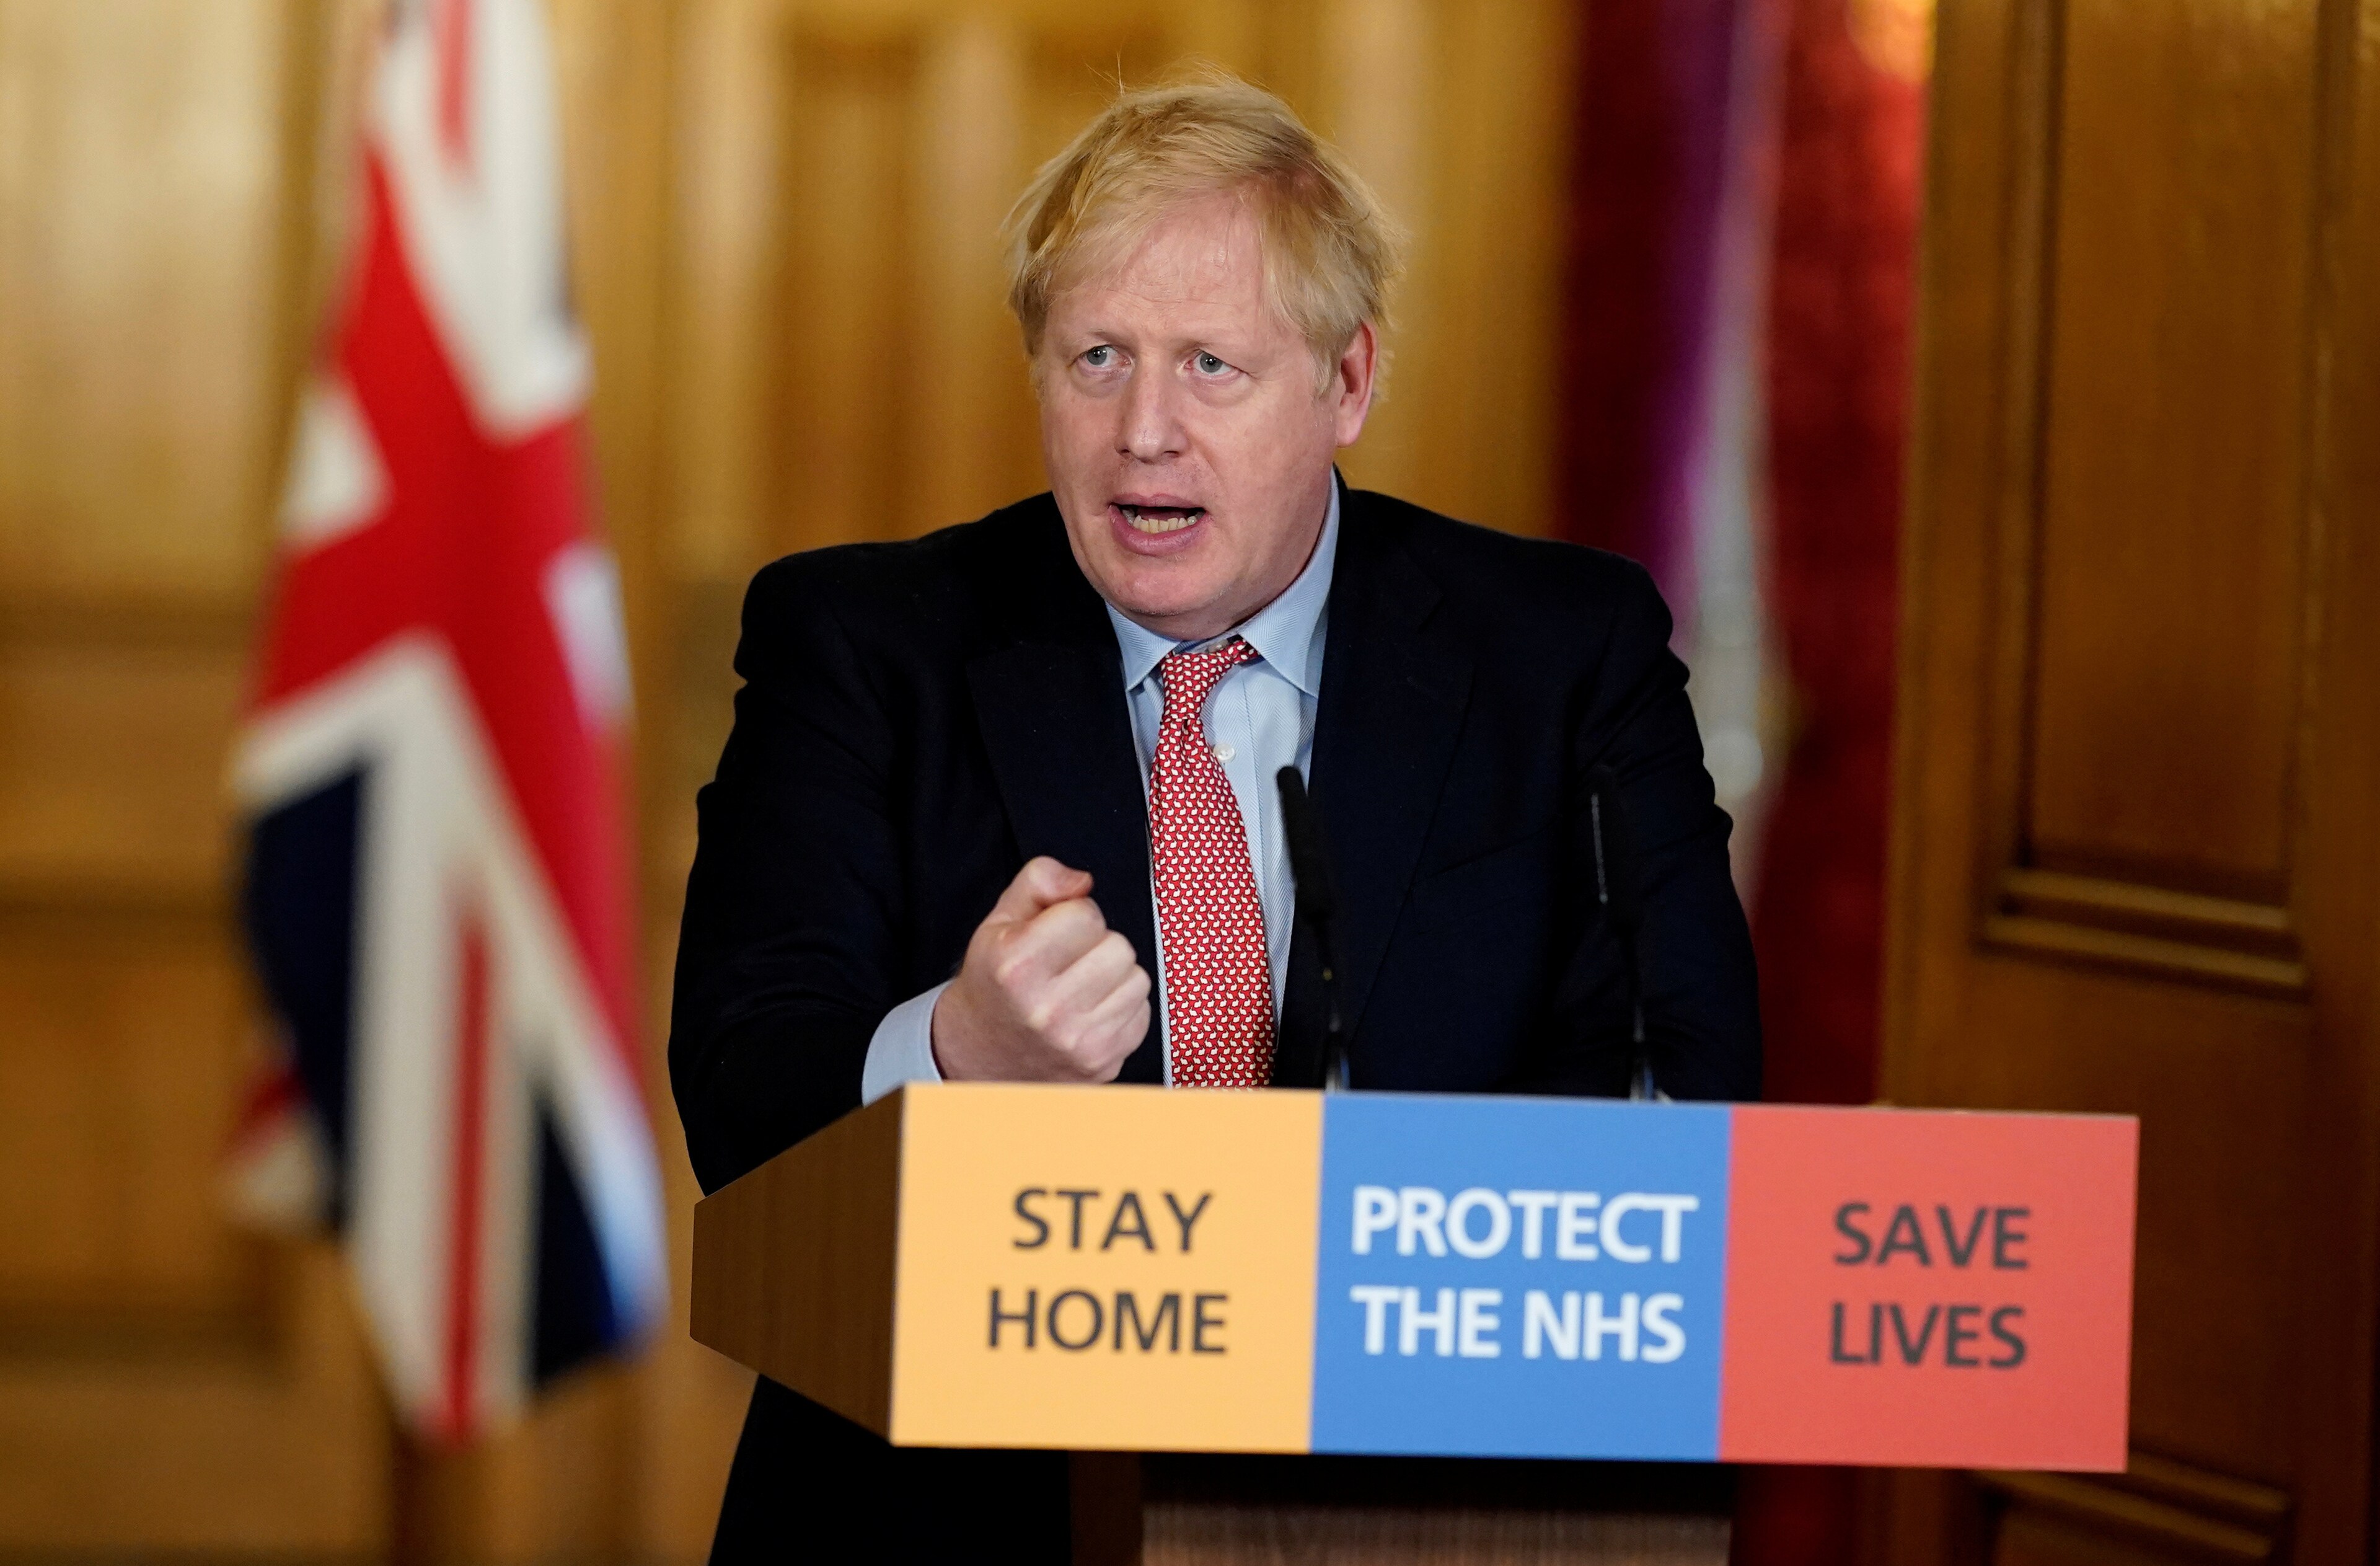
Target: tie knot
{"x": 1189, "y": 676}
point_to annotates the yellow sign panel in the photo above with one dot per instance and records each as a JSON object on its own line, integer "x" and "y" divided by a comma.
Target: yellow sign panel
{"x": 1126, "y": 1269}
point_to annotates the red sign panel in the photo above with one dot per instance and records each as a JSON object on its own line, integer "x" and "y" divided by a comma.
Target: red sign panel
{"x": 1879, "y": 1277}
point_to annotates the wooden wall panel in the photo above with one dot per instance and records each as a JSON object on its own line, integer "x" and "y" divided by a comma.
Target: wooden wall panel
{"x": 971, "y": 430}
{"x": 847, "y": 294}
{"x": 140, "y": 204}
{"x": 126, "y": 1043}
{"x": 2138, "y": 802}
{"x": 151, "y": 1445}
{"x": 118, "y": 710}
{"x": 168, "y": 1382}
{"x": 2155, "y": 370}
{"x": 2159, "y": 1510}
{"x": 1459, "y": 115}
{"x": 2172, "y": 467}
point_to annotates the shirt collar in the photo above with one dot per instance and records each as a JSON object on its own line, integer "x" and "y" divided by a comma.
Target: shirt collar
{"x": 1286, "y": 633}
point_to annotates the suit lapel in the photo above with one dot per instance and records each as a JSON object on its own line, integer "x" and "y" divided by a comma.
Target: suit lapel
{"x": 1394, "y": 688}
{"x": 1051, "y": 709}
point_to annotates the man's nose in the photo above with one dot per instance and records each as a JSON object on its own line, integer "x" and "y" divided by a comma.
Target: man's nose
{"x": 1152, "y": 422}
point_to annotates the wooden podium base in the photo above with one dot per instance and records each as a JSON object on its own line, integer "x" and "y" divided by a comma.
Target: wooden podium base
{"x": 1204, "y": 1511}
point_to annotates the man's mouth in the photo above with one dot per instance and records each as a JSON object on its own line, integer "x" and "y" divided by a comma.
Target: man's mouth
{"x": 1159, "y": 519}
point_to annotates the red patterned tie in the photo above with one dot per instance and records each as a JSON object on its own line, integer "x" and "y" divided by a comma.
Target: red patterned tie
{"x": 1218, "y": 979}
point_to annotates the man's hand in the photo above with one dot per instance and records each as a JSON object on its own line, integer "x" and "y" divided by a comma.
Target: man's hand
{"x": 1048, "y": 993}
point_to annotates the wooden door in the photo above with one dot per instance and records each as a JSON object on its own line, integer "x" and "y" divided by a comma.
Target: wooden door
{"x": 2138, "y": 813}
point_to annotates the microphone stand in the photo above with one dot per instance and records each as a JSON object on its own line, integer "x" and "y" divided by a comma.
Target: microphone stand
{"x": 1310, "y": 867}
{"x": 1616, "y": 888}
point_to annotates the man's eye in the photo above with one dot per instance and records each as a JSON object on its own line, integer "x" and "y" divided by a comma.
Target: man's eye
{"x": 1209, "y": 364}
{"x": 1099, "y": 358}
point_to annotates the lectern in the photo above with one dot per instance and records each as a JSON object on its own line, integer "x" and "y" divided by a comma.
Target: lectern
{"x": 1402, "y": 1327}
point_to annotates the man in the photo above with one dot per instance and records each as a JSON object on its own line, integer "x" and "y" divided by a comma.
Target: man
{"x": 1000, "y": 803}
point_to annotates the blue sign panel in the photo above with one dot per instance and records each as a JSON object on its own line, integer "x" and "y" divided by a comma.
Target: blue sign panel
{"x": 1520, "y": 1278}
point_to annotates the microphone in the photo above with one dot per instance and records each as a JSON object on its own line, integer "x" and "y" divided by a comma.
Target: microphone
{"x": 1317, "y": 902}
{"x": 1617, "y": 888}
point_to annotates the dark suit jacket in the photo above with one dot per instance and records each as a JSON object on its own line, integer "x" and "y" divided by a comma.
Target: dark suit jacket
{"x": 919, "y": 719}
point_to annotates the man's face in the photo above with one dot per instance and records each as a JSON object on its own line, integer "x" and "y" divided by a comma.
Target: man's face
{"x": 1187, "y": 443}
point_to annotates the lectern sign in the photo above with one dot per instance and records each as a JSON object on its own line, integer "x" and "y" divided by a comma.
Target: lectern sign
{"x": 1520, "y": 1277}
{"x": 1929, "y": 1289}
{"x": 1072, "y": 1277}
{"x": 1382, "y": 1273}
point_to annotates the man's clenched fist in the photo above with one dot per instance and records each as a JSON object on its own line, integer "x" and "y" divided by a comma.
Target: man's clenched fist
{"x": 1048, "y": 993}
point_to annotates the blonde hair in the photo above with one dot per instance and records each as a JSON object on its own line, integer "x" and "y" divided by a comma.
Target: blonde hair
{"x": 1330, "y": 253}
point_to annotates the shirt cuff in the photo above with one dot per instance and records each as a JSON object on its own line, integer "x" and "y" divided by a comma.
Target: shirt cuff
{"x": 903, "y": 1048}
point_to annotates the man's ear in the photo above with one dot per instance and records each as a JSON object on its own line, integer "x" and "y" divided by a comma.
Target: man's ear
{"x": 1353, "y": 380}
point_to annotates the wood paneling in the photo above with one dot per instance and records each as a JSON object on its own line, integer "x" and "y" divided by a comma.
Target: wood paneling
{"x": 1180, "y": 1509}
{"x": 142, "y": 161}
{"x": 1389, "y": 1535}
{"x": 2157, "y": 368}
{"x": 848, "y": 294}
{"x": 125, "y": 1044}
{"x": 2171, "y": 456}
{"x": 166, "y": 1382}
{"x": 2139, "y": 781}
{"x": 2160, "y": 1506}
{"x": 1458, "y": 114}
{"x": 153, "y": 1445}
{"x": 117, "y": 710}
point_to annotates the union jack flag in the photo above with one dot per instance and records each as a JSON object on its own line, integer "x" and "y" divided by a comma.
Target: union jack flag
{"x": 438, "y": 883}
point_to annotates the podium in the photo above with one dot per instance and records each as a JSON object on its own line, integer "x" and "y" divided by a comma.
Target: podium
{"x": 1388, "y": 1327}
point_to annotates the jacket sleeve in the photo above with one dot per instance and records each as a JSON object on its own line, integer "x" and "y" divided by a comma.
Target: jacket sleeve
{"x": 1701, "y": 999}
{"x": 787, "y": 952}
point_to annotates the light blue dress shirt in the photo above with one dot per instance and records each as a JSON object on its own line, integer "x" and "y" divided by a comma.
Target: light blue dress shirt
{"x": 1260, "y": 718}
